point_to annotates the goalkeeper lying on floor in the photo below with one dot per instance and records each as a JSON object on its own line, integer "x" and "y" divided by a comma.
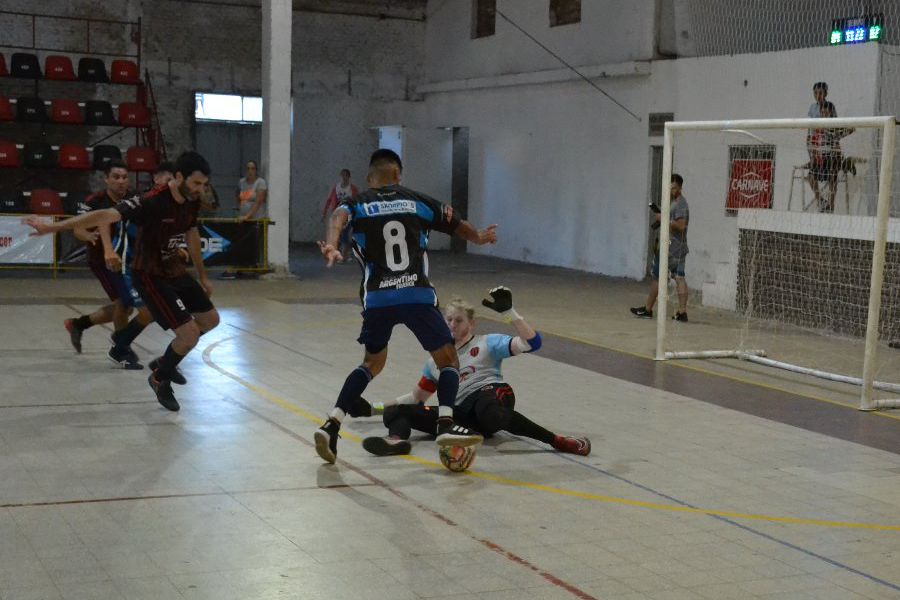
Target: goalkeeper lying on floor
{"x": 484, "y": 402}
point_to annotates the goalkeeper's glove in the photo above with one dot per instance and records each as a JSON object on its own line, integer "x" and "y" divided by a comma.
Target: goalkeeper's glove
{"x": 501, "y": 301}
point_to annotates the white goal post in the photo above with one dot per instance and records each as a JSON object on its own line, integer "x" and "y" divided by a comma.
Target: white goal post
{"x": 881, "y": 126}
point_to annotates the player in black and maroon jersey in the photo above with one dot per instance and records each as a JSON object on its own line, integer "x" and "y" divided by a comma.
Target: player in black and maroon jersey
{"x": 106, "y": 268}
{"x": 177, "y": 301}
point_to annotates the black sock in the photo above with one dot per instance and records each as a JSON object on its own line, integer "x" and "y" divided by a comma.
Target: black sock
{"x": 448, "y": 386}
{"x": 354, "y": 386}
{"x": 123, "y": 338}
{"x": 168, "y": 362}
{"x": 519, "y": 424}
{"x": 83, "y": 322}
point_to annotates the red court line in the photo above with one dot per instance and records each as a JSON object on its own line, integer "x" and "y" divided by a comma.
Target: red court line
{"x": 511, "y": 556}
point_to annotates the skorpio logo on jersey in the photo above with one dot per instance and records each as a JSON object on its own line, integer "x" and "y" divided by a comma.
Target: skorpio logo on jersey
{"x": 391, "y": 207}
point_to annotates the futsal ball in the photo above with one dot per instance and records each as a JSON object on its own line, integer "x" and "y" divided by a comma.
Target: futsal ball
{"x": 457, "y": 458}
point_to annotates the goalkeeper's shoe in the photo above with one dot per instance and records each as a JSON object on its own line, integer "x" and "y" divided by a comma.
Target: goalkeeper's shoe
{"x": 326, "y": 438}
{"x": 572, "y": 445}
{"x": 386, "y": 446}
{"x": 501, "y": 299}
{"x": 641, "y": 311}
{"x": 451, "y": 434}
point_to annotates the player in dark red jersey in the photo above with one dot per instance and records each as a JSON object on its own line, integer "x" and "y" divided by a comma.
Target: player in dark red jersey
{"x": 105, "y": 264}
{"x": 176, "y": 300}
{"x": 391, "y": 225}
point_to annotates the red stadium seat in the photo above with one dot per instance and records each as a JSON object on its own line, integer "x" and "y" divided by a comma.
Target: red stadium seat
{"x": 3, "y": 70}
{"x": 73, "y": 156}
{"x": 63, "y": 110}
{"x": 6, "y": 111}
{"x": 59, "y": 68}
{"x": 132, "y": 114}
{"x": 141, "y": 159}
{"x": 46, "y": 202}
{"x": 124, "y": 71}
{"x": 9, "y": 155}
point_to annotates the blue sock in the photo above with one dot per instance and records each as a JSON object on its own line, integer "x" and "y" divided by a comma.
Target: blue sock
{"x": 447, "y": 387}
{"x": 353, "y": 388}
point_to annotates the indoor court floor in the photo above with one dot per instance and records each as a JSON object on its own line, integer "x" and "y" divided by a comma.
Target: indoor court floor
{"x": 706, "y": 481}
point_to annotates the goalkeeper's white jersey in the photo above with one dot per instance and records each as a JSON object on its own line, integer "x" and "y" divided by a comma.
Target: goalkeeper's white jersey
{"x": 479, "y": 364}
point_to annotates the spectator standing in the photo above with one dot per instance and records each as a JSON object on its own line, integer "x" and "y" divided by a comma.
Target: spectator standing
{"x": 679, "y": 216}
{"x": 342, "y": 191}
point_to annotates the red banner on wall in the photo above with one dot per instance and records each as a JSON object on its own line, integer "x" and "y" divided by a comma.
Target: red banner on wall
{"x": 750, "y": 183}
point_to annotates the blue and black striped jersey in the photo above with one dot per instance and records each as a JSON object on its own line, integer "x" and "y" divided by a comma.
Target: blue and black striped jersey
{"x": 390, "y": 237}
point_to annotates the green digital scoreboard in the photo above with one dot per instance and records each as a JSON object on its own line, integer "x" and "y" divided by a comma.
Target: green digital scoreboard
{"x": 856, "y": 30}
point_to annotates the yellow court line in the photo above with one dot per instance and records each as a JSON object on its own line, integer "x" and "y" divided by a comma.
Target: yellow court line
{"x": 680, "y": 365}
{"x": 291, "y": 407}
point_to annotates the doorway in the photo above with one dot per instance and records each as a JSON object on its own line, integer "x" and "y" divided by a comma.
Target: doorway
{"x": 655, "y": 190}
{"x": 227, "y": 147}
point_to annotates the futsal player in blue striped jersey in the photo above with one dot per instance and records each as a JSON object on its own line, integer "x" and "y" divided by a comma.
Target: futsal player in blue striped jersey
{"x": 391, "y": 225}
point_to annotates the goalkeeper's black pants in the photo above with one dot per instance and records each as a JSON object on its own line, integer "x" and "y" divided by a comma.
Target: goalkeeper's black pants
{"x": 487, "y": 411}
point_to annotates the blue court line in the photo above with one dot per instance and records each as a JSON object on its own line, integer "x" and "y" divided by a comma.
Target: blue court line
{"x": 771, "y": 538}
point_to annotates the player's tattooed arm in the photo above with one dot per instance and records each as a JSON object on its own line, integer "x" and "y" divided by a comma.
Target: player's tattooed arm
{"x": 94, "y": 218}
{"x": 328, "y": 248}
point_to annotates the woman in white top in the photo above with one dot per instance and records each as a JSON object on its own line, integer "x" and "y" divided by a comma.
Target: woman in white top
{"x": 251, "y": 194}
{"x": 250, "y": 197}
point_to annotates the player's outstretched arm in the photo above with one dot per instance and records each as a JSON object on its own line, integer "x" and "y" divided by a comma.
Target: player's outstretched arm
{"x": 328, "y": 248}
{"x": 85, "y": 221}
{"x": 467, "y": 231}
{"x": 527, "y": 340}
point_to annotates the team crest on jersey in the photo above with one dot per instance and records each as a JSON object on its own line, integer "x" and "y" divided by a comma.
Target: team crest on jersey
{"x": 474, "y": 351}
{"x": 390, "y": 207}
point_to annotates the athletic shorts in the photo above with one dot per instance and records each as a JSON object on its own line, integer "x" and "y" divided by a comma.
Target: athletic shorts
{"x": 491, "y": 393}
{"x": 424, "y": 320}
{"x": 172, "y": 300}
{"x": 676, "y": 267}
{"x": 128, "y": 295}
{"x": 106, "y": 279}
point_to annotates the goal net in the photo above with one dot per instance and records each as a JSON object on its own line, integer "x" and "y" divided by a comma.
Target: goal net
{"x": 793, "y": 260}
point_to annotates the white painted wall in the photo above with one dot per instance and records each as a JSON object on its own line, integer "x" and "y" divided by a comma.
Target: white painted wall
{"x": 564, "y": 171}
{"x": 610, "y": 31}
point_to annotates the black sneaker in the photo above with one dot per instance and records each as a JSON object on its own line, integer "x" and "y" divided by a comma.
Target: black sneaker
{"x": 894, "y": 344}
{"x": 228, "y": 275}
{"x": 326, "y": 438}
{"x": 177, "y": 378}
{"x": 163, "y": 390}
{"x": 680, "y": 316}
{"x": 74, "y": 334}
{"x": 451, "y": 434}
{"x": 125, "y": 359}
{"x": 387, "y": 446}
{"x": 642, "y": 312}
